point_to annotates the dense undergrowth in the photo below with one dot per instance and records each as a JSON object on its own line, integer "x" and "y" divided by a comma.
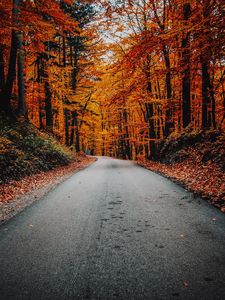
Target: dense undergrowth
{"x": 24, "y": 150}
{"x": 195, "y": 159}
{"x": 205, "y": 146}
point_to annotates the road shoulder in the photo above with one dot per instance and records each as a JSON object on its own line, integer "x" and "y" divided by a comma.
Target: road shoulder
{"x": 17, "y": 195}
{"x": 206, "y": 181}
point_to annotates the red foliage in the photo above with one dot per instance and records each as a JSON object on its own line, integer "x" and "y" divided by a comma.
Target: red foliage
{"x": 207, "y": 180}
{"x": 15, "y": 189}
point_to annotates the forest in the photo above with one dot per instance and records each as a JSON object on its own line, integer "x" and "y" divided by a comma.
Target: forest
{"x": 112, "y": 149}
{"x": 138, "y": 80}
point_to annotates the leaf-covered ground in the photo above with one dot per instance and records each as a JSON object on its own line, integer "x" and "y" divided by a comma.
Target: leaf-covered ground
{"x": 31, "y": 163}
{"x": 15, "y": 195}
{"x": 197, "y": 161}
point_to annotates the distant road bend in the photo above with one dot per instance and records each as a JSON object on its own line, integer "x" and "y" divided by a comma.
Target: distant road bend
{"x": 114, "y": 231}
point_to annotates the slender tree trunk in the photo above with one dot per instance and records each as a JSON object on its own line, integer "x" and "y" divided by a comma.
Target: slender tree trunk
{"x": 126, "y": 136}
{"x": 75, "y": 65}
{"x": 21, "y": 105}
{"x": 77, "y": 132}
{"x": 64, "y": 51}
{"x": 71, "y": 54}
{"x": 205, "y": 94}
{"x": 2, "y": 71}
{"x": 66, "y": 114}
{"x": 150, "y": 111}
{"x": 48, "y": 97}
{"x": 72, "y": 133}
{"x": 168, "y": 122}
{"x": 186, "y": 73}
{"x": 59, "y": 51}
{"x": 103, "y": 127}
{"x": 152, "y": 134}
{"x": 48, "y": 106}
{"x": 41, "y": 126}
{"x": 223, "y": 117}
{"x": 120, "y": 139}
{"x": 39, "y": 65}
{"x": 213, "y": 107}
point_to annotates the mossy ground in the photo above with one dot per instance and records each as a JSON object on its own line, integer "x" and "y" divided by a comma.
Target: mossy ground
{"x": 24, "y": 150}
{"x": 208, "y": 146}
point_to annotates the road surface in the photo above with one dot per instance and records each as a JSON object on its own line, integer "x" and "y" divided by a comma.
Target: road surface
{"x": 114, "y": 231}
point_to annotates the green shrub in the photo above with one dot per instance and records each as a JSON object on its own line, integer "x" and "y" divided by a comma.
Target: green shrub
{"x": 24, "y": 150}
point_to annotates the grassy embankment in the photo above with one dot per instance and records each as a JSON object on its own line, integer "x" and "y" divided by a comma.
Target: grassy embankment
{"x": 24, "y": 150}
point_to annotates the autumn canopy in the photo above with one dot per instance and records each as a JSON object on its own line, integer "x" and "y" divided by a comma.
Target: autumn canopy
{"x": 113, "y": 77}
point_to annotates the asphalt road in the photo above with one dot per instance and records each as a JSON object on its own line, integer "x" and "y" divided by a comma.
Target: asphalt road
{"x": 114, "y": 231}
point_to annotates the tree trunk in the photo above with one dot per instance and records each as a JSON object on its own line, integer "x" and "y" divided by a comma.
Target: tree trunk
{"x": 168, "y": 122}
{"x": 16, "y": 49}
{"x": 48, "y": 106}
{"x": 21, "y": 104}
{"x": 64, "y": 51}
{"x": 7, "y": 93}
{"x": 77, "y": 132}
{"x": 206, "y": 122}
{"x": 66, "y": 126}
{"x": 150, "y": 111}
{"x": 152, "y": 134}
{"x": 39, "y": 66}
{"x": 71, "y": 54}
{"x": 207, "y": 92}
{"x": 2, "y": 70}
{"x": 126, "y": 136}
{"x": 121, "y": 150}
{"x": 75, "y": 66}
{"x": 213, "y": 107}
{"x": 72, "y": 133}
{"x": 186, "y": 74}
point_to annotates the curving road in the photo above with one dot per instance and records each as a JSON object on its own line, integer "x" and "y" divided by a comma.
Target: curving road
{"x": 114, "y": 231}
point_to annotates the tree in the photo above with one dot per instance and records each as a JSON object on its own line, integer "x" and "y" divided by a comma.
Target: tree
{"x": 186, "y": 68}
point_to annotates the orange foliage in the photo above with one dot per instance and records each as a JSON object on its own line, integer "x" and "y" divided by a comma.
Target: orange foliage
{"x": 115, "y": 78}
